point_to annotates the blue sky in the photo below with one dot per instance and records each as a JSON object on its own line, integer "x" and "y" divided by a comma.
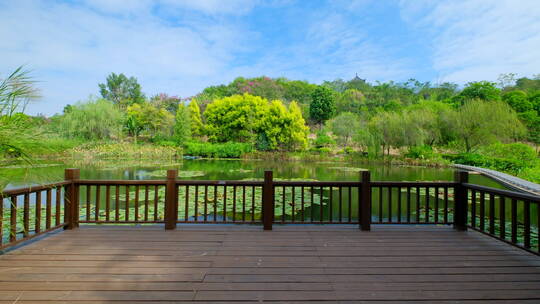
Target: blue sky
{"x": 180, "y": 47}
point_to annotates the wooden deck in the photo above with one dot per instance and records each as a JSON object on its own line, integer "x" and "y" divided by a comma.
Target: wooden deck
{"x": 213, "y": 263}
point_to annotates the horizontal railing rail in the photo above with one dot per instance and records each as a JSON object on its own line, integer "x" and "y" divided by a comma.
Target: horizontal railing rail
{"x": 29, "y": 212}
{"x": 509, "y": 216}
{"x": 505, "y": 215}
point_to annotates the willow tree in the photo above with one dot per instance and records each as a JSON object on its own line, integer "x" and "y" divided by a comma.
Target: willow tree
{"x": 481, "y": 122}
{"x": 95, "y": 119}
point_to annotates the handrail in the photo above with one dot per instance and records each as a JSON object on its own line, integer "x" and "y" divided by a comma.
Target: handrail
{"x": 23, "y": 190}
{"x": 507, "y": 193}
{"x": 363, "y": 202}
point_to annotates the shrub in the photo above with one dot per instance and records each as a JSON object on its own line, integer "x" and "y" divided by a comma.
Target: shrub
{"x": 500, "y": 164}
{"x": 517, "y": 151}
{"x": 224, "y": 150}
{"x": 422, "y": 152}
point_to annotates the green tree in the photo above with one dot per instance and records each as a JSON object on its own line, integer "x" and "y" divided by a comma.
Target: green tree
{"x": 144, "y": 117}
{"x": 264, "y": 87}
{"x": 297, "y": 90}
{"x": 195, "y": 119}
{"x": 531, "y": 120}
{"x": 483, "y": 90}
{"x": 350, "y": 101}
{"x": 235, "y": 118}
{"x": 248, "y": 118}
{"x": 479, "y": 122}
{"x": 345, "y": 126}
{"x": 91, "y": 120}
{"x": 518, "y": 101}
{"x": 183, "y": 124}
{"x": 322, "y": 105}
{"x": 528, "y": 84}
{"x": 121, "y": 90}
{"x": 169, "y": 103}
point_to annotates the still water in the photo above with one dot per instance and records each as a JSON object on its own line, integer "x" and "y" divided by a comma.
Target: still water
{"x": 50, "y": 171}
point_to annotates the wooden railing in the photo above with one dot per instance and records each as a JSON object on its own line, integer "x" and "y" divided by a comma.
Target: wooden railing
{"x": 495, "y": 212}
{"x": 32, "y": 211}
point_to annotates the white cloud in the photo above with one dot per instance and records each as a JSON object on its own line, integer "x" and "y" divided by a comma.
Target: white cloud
{"x": 478, "y": 40}
{"x": 333, "y": 46}
{"x": 236, "y": 7}
{"x": 72, "y": 48}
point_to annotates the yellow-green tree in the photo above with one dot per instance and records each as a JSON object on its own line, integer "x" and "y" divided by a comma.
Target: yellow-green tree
{"x": 182, "y": 124}
{"x": 195, "y": 119}
{"x": 247, "y": 118}
{"x": 144, "y": 117}
{"x": 235, "y": 118}
{"x": 298, "y": 129}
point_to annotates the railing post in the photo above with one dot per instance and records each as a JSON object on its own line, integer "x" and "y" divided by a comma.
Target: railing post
{"x": 171, "y": 200}
{"x": 460, "y": 200}
{"x": 365, "y": 201}
{"x": 268, "y": 200}
{"x": 71, "y": 199}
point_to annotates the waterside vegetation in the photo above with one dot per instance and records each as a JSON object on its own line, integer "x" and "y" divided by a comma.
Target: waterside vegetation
{"x": 492, "y": 125}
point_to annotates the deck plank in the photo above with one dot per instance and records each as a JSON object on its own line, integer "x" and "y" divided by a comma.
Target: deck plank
{"x": 318, "y": 264}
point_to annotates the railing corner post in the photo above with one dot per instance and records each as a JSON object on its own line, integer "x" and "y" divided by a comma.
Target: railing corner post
{"x": 460, "y": 200}
{"x": 268, "y": 200}
{"x": 71, "y": 199}
{"x": 365, "y": 200}
{"x": 171, "y": 200}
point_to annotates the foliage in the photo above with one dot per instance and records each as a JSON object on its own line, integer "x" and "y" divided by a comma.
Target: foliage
{"x": 517, "y": 151}
{"x": 121, "y": 90}
{"x": 531, "y": 120}
{"x": 512, "y": 166}
{"x": 145, "y": 117}
{"x": 16, "y": 91}
{"x": 235, "y": 118}
{"x": 322, "y": 105}
{"x": 527, "y": 84}
{"x": 218, "y": 150}
{"x": 264, "y": 87}
{"x": 475, "y": 125}
{"x": 518, "y": 101}
{"x": 123, "y": 150}
{"x": 483, "y": 90}
{"x": 169, "y": 103}
{"x": 422, "y": 152}
{"x": 95, "y": 119}
{"x": 284, "y": 128}
{"x": 323, "y": 140}
{"x": 195, "y": 119}
{"x": 18, "y": 136}
{"x": 247, "y": 118}
{"x": 350, "y": 101}
{"x": 345, "y": 126}
{"x": 296, "y": 90}
{"x": 182, "y": 125}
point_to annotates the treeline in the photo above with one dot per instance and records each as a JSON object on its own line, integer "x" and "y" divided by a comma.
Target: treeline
{"x": 279, "y": 114}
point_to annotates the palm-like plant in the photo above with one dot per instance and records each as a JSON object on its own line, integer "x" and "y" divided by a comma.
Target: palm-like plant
{"x": 16, "y": 91}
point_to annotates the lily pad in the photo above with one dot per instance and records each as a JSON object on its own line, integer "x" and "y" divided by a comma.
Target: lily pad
{"x": 240, "y": 170}
{"x": 183, "y": 173}
{"x": 348, "y": 169}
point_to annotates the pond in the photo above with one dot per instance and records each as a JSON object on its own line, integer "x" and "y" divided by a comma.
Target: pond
{"x": 324, "y": 206}
{"x": 204, "y": 169}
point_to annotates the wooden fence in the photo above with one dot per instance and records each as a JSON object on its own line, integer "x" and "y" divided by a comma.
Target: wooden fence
{"x": 32, "y": 211}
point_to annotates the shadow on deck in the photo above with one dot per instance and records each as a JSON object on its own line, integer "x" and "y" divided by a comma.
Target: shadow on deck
{"x": 237, "y": 263}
